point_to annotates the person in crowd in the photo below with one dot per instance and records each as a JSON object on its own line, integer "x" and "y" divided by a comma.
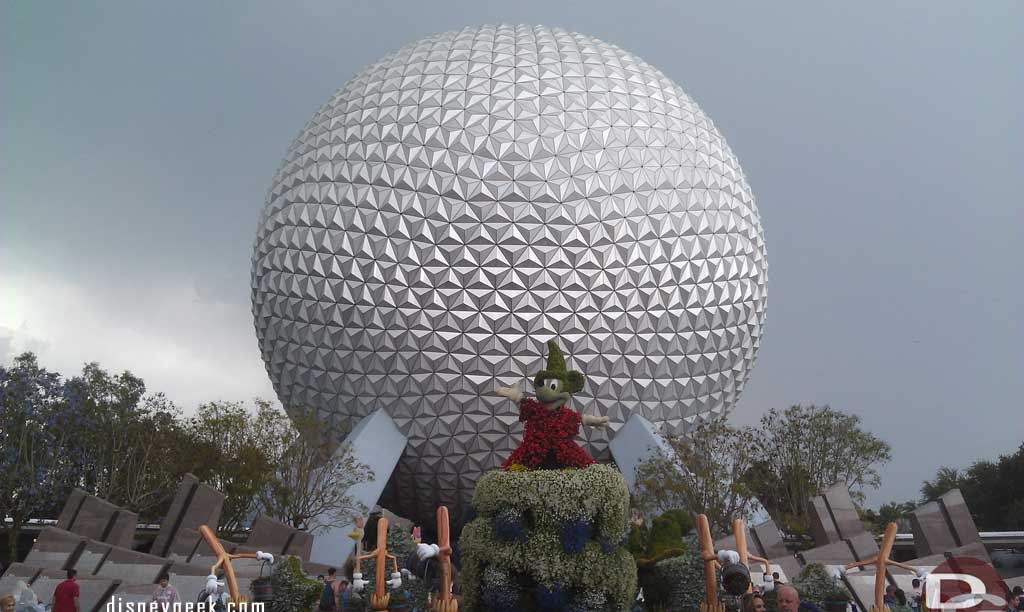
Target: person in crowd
{"x": 27, "y": 599}
{"x": 1019, "y": 592}
{"x": 752, "y": 602}
{"x": 330, "y": 603}
{"x": 890, "y": 596}
{"x": 902, "y": 602}
{"x": 7, "y": 603}
{"x": 219, "y": 597}
{"x": 788, "y": 598}
{"x": 165, "y": 594}
{"x": 1013, "y": 605}
{"x": 901, "y": 597}
{"x": 344, "y": 592}
{"x": 320, "y": 578}
{"x": 915, "y": 594}
{"x": 65, "y": 596}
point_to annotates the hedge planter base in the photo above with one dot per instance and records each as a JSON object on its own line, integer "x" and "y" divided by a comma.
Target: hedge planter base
{"x": 571, "y": 554}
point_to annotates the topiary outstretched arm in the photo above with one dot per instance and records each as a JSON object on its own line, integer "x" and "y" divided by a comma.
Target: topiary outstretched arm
{"x": 513, "y": 393}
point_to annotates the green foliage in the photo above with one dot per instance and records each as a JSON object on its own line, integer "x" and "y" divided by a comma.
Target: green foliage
{"x": 231, "y": 455}
{"x": 266, "y": 463}
{"x": 636, "y": 542}
{"x": 804, "y": 450}
{"x": 39, "y": 424}
{"x": 662, "y": 539}
{"x": 946, "y": 479}
{"x": 311, "y": 475}
{"x": 703, "y": 474}
{"x": 550, "y": 498}
{"x": 682, "y": 518}
{"x": 555, "y": 496}
{"x": 666, "y": 533}
{"x": 817, "y": 586}
{"x": 293, "y": 591}
{"x": 98, "y": 432}
{"x": 101, "y": 432}
{"x": 676, "y": 583}
{"x": 134, "y": 442}
{"x": 892, "y": 512}
{"x": 993, "y": 490}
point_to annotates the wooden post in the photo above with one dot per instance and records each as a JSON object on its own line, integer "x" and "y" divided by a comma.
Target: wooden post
{"x": 707, "y": 549}
{"x": 881, "y": 561}
{"x": 445, "y": 602}
{"x": 740, "y": 532}
{"x": 224, "y": 560}
{"x": 380, "y": 599}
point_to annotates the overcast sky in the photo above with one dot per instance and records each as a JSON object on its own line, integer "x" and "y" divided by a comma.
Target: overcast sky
{"x": 883, "y": 143}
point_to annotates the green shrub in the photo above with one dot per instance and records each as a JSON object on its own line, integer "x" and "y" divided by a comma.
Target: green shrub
{"x": 682, "y": 518}
{"x": 497, "y": 565}
{"x": 816, "y": 586}
{"x": 293, "y": 591}
{"x": 639, "y": 535}
{"x": 666, "y": 533}
{"x": 677, "y": 583}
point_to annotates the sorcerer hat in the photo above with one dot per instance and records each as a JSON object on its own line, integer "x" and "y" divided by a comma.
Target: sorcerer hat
{"x": 571, "y": 379}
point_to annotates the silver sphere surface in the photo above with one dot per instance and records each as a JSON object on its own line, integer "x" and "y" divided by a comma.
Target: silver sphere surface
{"x": 470, "y": 196}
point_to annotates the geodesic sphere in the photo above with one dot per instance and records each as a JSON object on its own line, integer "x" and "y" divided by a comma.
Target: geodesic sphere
{"x": 464, "y": 199}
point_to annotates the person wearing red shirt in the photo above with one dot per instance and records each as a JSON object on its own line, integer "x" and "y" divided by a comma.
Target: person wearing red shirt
{"x": 65, "y": 596}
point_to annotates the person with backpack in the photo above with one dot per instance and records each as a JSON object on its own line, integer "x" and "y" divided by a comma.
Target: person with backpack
{"x": 213, "y": 594}
{"x": 329, "y": 594}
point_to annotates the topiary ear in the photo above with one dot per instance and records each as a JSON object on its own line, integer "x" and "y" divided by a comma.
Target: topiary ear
{"x": 574, "y": 381}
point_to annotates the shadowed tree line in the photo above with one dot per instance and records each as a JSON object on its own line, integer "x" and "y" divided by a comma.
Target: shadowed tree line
{"x": 103, "y": 433}
{"x": 994, "y": 491}
{"x": 794, "y": 454}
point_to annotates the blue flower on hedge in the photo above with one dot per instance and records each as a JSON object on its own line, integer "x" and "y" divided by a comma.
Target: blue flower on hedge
{"x": 553, "y": 598}
{"x": 574, "y": 535}
{"x": 607, "y": 546}
{"x": 508, "y": 525}
{"x": 588, "y": 601}
{"x": 501, "y": 600}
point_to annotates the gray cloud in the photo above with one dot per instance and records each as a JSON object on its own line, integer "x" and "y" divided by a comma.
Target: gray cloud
{"x": 883, "y": 143}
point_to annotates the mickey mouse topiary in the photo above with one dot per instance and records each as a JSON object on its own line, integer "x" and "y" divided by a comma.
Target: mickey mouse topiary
{"x": 551, "y": 426}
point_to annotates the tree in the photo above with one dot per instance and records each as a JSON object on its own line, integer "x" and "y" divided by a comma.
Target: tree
{"x": 704, "y": 473}
{"x": 134, "y": 441}
{"x": 946, "y": 479}
{"x": 230, "y": 452}
{"x": 993, "y": 490}
{"x": 892, "y": 512}
{"x": 39, "y": 420}
{"x": 309, "y": 486}
{"x": 804, "y": 450}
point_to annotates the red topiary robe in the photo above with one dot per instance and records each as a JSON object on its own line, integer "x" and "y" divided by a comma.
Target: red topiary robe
{"x": 549, "y": 440}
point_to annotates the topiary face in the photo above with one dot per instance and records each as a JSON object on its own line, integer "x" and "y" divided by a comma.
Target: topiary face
{"x": 551, "y": 391}
{"x": 555, "y": 384}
